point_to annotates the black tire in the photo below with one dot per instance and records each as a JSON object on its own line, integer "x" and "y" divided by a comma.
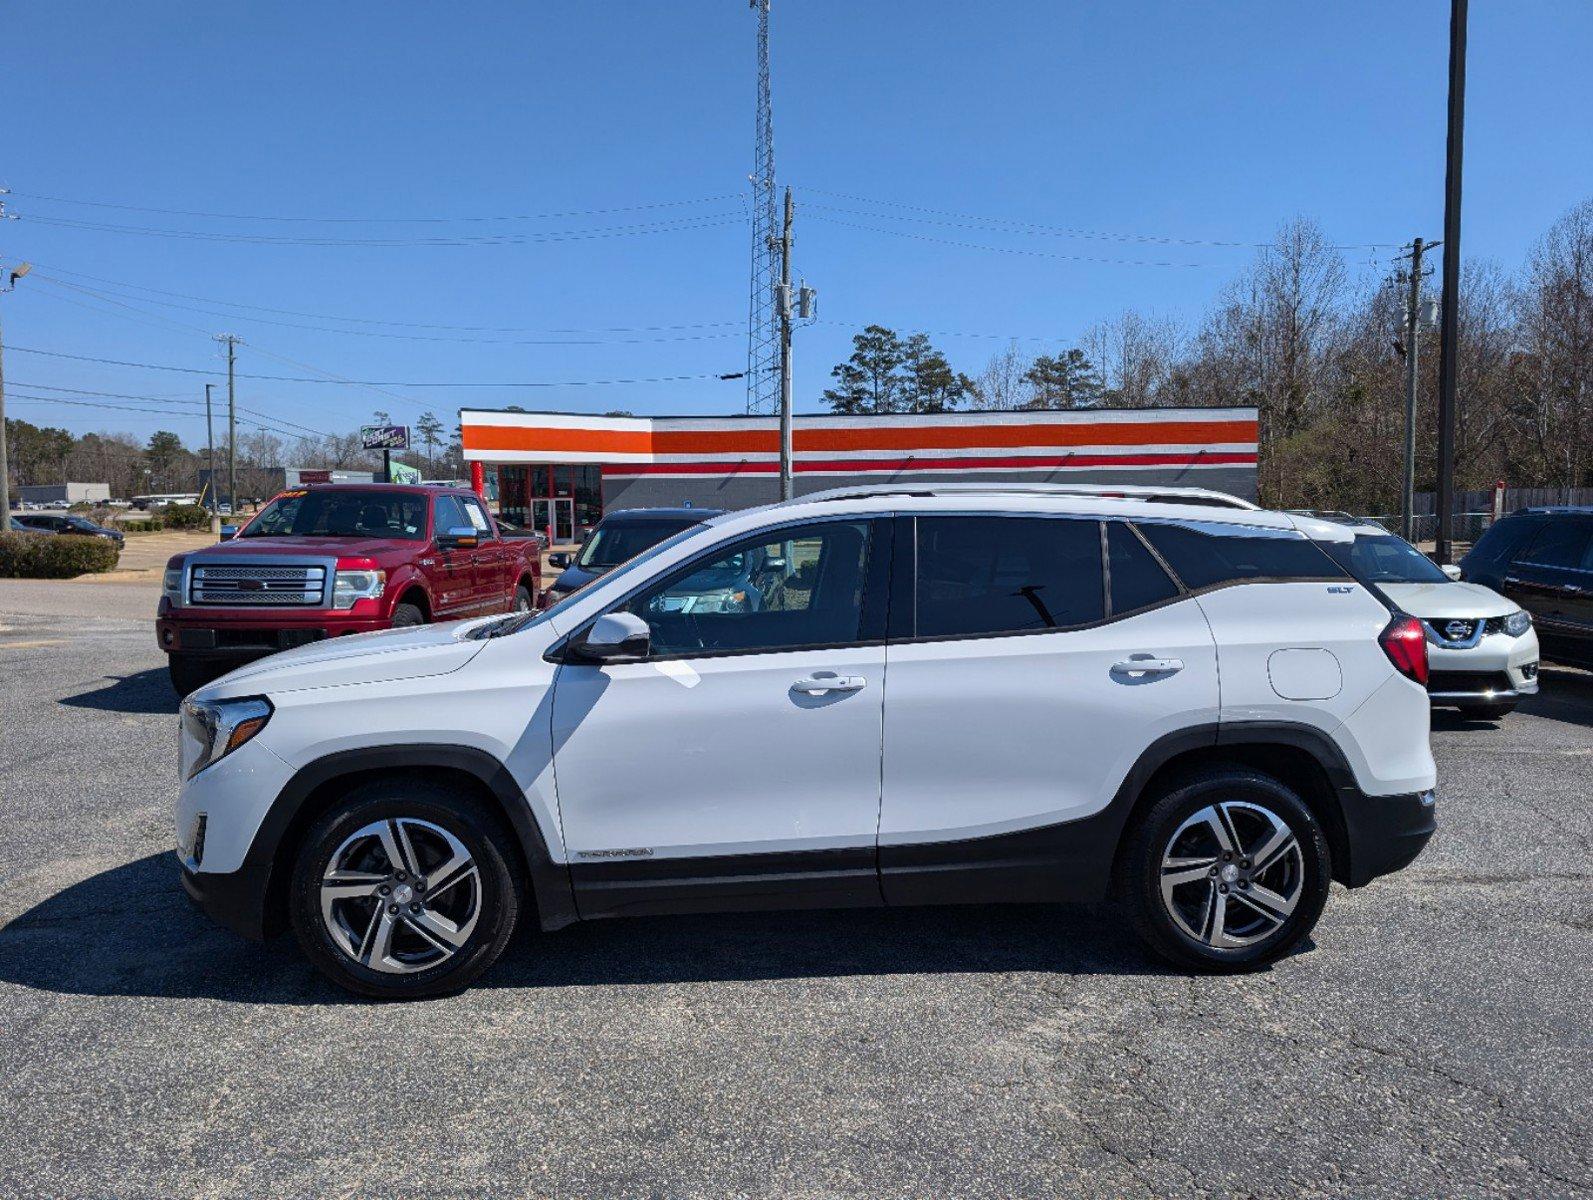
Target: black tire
{"x": 1303, "y": 878}
{"x": 408, "y": 614}
{"x": 497, "y": 897}
{"x": 523, "y": 601}
{"x": 1486, "y": 712}
{"x": 189, "y": 674}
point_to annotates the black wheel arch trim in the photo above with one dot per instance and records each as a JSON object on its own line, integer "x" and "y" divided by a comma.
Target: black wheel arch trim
{"x": 251, "y": 900}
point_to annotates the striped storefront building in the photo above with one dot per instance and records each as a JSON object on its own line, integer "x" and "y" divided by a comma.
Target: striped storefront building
{"x": 566, "y": 469}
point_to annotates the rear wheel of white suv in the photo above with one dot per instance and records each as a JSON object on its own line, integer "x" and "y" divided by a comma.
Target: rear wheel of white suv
{"x": 1226, "y": 871}
{"x": 405, "y": 889}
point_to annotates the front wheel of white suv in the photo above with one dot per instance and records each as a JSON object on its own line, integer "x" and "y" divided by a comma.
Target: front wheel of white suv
{"x": 1226, "y": 871}
{"x": 405, "y": 889}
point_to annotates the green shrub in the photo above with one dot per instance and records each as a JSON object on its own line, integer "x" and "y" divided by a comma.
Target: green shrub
{"x": 144, "y": 525}
{"x": 185, "y": 516}
{"x": 54, "y": 556}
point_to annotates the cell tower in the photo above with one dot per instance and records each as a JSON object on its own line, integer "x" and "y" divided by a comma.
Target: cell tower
{"x": 763, "y": 324}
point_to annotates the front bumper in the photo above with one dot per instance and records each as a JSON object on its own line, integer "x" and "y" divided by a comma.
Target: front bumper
{"x": 1386, "y": 833}
{"x": 235, "y": 900}
{"x": 211, "y": 634}
{"x": 1499, "y": 669}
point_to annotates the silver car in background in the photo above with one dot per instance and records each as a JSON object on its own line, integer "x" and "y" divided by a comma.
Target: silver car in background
{"x": 1482, "y": 651}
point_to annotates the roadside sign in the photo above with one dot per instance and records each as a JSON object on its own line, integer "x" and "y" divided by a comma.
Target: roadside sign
{"x": 315, "y": 476}
{"x": 385, "y": 437}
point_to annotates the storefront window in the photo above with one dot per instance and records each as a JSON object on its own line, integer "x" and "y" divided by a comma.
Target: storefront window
{"x": 588, "y": 498}
{"x": 514, "y": 495}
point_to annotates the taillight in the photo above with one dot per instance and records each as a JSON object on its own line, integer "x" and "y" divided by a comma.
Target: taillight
{"x": 1405, "y": 643}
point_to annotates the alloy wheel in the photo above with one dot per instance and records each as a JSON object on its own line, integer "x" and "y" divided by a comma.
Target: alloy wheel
{"x": 1232, "y": 874}
{"x": 400, "y": 895}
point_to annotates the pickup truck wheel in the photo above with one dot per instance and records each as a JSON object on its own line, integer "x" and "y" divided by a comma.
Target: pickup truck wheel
{"x": 405, "y": 889}
{"x": 522, "y": 599}
{"x": 407, "y": 614}
{"x": 1226, "y": 872}
{"x": 189, "y": 674}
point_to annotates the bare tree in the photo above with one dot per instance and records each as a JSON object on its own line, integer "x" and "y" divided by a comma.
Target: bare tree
{"x": 1002, "y": 384}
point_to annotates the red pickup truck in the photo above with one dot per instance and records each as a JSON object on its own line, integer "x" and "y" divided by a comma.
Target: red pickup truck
{"x": 323, "y": 561}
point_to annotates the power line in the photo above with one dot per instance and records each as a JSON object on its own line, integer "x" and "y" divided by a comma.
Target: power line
{"x": 924, "y": 237}
{"x": 427, "y": 220}
{"x": 407, "y": 337}
{"x": 711, "y": 221}
{"x": 166, "y": 399}
{"x": 289, "y": 312}
{"x": 540, "y": 383}
{"x": 154, "y": 412}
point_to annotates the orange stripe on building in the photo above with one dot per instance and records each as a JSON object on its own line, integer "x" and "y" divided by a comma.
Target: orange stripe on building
{"x": 814, "y": 439}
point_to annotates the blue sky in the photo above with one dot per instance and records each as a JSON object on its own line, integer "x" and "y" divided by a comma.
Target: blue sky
{"x": 1145, "y": 118}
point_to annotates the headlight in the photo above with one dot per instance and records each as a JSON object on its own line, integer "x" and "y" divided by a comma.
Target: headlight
{"x": 1517, "y": 623}
{"x": 214, "y": 729}
{"x": 356, "y": 579}
{"x": 172, "y": 585}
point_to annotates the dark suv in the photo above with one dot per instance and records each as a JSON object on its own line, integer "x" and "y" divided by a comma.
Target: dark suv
{"x": 1542, "y": 558}
{"x": 69, "y": 523}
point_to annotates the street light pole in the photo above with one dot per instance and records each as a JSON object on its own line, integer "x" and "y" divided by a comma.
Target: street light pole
{"x": 1449, "y": 300}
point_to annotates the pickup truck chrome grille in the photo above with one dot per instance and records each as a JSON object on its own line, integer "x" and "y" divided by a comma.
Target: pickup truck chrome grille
{"x": 278, "y": 587}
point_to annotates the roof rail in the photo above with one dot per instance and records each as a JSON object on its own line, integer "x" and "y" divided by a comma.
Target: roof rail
{"x": 1147, "y": 494}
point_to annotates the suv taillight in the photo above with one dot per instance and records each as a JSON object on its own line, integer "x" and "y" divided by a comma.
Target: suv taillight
{"x": 1405, "y": 643}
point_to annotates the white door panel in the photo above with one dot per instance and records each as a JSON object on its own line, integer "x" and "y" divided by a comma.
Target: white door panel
{"x": 992, "y": 735}
{"x": 720, "y": 755}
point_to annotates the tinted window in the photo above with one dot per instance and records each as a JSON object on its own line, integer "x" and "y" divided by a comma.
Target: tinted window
{"x": 612, "y": 542}
{"x": 1204, "y": 559}
{"x": 447, "y": 514}
{"x": 1006, "y": 575}
{"x": 342, "y": 512}
{"x": 805, "y": 588}
{"x": 1558, "y": 544}
{"x": 1137, "y": 578}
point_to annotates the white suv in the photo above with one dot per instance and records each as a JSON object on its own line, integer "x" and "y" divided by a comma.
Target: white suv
{"x": 921, "y": 696}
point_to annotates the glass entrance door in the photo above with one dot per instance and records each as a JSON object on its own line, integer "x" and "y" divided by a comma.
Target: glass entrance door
{"x": 559, "y": 514}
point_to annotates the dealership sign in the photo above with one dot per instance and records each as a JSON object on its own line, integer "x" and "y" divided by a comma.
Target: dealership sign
{"x": 385, "y": 437}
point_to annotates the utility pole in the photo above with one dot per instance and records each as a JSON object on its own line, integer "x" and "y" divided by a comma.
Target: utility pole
{"x": 232, "y": 423}
{"x": 785, "y": 351}
{"x": 1413, "y": 324}
{"x": 16, "y": 273}
{"x": 1449, "y": 298}
{"x": 210, "y": 452}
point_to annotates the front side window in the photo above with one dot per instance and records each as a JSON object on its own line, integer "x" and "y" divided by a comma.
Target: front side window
{"x": 1234, "y": 554}
{"x": 342, "y": 513}
{"x": 475, "y": 515}
{"x": 448, "y": 514}
{"x": 988, "y": 575}
{"x": 795, "y": 589}
{"x": 1562, "y": 544}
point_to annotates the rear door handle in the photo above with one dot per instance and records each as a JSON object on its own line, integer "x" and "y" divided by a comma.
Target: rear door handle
{"x": 823, "y": 681}
{"x": 1147, "y": 665}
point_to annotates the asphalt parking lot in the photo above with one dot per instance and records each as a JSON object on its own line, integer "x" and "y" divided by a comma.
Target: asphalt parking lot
{"x": 1432, "y": 1040}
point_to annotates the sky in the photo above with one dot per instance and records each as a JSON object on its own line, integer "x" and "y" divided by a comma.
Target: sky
{"x": 405, "y": 194}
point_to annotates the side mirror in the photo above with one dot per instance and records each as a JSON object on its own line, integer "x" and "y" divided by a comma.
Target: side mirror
{"x": 460, "y": 537}
{"x": 615, "y": 637}
{"x": 228, "y": 532}
{"x": 1451, "y": 570}
{"x": 559, "y": 561}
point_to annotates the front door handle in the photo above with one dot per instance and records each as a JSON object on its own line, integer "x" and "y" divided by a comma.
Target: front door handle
{"x": 824, "y": 681}
{"x": 1146, "y": 665}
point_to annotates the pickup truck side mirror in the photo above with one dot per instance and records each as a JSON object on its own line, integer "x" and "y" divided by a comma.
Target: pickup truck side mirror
{"x": 614, "y": 637}
{"x": 228, "y": 532}
{"x": 460, "y": 537}
{"x": 559, "y": 561}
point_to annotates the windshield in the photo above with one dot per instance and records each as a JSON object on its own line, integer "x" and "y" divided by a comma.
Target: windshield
{"x": 344, "y": 512}
{"x": 613, "y": 542}
{"x": 515, "y": 622}
{"x": 1389, "y": 559}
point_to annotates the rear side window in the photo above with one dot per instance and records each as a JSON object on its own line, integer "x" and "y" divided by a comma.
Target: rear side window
{"x": 1137, "y": 579}
{"x": 986, "y": 575}
{"x": 1207, "y": 557}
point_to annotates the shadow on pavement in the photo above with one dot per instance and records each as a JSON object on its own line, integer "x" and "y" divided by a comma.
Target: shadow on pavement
{"x": 1564, "y": 694}
{"x": 131, "y": 931}
{"x": 146, "y": 692}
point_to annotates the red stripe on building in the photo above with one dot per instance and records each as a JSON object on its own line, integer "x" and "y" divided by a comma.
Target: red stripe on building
{"x": 843, "y": 466}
